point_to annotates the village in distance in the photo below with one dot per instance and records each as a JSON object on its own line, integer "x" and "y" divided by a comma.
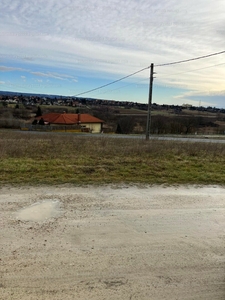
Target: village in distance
{"x": 19, "y": 111}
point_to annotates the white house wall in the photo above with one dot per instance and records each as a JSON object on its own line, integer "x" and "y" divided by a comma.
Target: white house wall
{"x": 94, "y": 127}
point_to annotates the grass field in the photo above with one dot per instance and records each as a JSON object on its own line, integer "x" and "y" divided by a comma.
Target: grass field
{"x": 57, "y": 159}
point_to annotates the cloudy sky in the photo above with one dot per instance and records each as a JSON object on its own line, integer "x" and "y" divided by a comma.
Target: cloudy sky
{"x": 68, "y": 47}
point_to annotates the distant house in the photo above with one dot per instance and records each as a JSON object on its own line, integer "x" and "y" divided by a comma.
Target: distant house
{"x": 86, "y": 121}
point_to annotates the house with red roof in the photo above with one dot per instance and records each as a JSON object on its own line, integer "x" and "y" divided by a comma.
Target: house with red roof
{"x": 85, "y": 121}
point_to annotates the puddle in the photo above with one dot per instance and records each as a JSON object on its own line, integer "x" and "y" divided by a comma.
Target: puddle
{"x": 39, "y": 211}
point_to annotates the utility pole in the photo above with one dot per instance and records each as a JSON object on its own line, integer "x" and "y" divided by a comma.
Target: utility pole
{"x": 149, "y": 102}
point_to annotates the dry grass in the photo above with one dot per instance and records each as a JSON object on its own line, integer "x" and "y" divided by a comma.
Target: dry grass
{"x": 28, "y": 158}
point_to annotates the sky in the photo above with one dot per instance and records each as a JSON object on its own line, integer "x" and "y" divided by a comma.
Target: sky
{"x": 69, "y": 47}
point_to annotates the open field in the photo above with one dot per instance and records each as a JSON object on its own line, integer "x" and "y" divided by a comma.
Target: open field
{"x": 168, "y": 113}
{"x": 66, "y": 235}
{"x": 55, "y": 159}
{"x": 168, "y": 120}
{"x": 112, "y": 242}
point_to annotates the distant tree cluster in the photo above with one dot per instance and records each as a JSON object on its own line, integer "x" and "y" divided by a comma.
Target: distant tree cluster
{"x": 125, "y": 125}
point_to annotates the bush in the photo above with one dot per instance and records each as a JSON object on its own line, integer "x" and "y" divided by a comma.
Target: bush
{"x": 10, "y": 123}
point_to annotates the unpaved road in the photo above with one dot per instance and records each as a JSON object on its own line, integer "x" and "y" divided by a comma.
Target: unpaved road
{"x": 112, "y": 243}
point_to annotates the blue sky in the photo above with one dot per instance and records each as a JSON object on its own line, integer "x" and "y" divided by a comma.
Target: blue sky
{"x": 67, "y": 47}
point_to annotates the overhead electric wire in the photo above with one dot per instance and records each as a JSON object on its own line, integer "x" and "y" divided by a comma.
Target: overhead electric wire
{"x": 191, "y": 59}
{"x": 102, "y": 86}
{"x": 157, "y": 65}
{"x": 168, "y": 75}
{"x": 121, "y": 87}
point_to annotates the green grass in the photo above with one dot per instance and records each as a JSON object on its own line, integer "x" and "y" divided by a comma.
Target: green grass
{"x": 28, "y": 158}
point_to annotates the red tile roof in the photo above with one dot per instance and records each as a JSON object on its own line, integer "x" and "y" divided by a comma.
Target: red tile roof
{"x": 69, "y": 119}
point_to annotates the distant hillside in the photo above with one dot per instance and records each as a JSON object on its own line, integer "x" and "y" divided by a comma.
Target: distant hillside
{"x": 8, "y": 93}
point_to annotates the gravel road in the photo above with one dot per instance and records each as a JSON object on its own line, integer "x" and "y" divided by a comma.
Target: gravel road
{"x": 112, "y": 242}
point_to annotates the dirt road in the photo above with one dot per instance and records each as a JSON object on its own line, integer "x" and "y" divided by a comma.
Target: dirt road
{"x": 112, "y": 243}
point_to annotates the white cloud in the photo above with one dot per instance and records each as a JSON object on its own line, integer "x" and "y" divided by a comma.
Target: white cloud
{"x": 9, "y": 69}
{"x": 116, "y": 38}
{"x": 2, "y": 82}
{"x": 52, "y": 75}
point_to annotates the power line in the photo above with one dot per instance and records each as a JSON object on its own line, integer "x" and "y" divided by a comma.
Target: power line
{"x": 168, "y": 75}
{"x": 102, "y": 86}
{"x": 191, "y": 59}
{"x": 159, "y": 65}
{"x": 121, "y": 87}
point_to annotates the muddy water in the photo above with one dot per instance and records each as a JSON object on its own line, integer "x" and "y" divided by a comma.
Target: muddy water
{"x": 39, "y": 211}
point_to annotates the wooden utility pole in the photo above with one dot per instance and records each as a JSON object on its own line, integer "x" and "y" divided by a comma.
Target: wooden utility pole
{"x": 149, "y": 102}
